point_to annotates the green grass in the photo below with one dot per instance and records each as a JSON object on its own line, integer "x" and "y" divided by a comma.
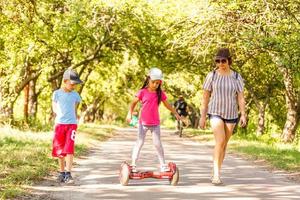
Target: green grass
{"x": 277, "y": 155}
{"x": 25, "y": 157}
{"x": 97, "y": 132}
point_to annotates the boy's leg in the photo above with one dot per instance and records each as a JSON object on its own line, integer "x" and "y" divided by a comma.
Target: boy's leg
{"x": 61, "y": 161}
{"x": 57, "y": 149}
{"x": 70, "y": 145}
{"x": 69, "y": 162}
{"x": 61, "y": 175}
{"x": 59, "y": 141}
{"x": 69, "y": 151}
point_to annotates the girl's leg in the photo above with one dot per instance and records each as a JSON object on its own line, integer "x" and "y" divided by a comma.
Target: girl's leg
{"x": 139, "y": 143}
{"x": 158, "y": 145}
{"x": 228, "y": 133}
{"x": 218, "y": 129}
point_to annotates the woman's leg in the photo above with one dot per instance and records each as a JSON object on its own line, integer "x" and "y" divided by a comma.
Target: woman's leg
{"x": 158, "y": 145}
{"x": 218, "y": 129}
{"x": 228, "y": 133}
{"x": 139, "y": 143}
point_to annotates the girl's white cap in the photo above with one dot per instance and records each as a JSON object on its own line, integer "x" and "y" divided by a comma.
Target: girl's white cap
{"x": 155, "y": 74}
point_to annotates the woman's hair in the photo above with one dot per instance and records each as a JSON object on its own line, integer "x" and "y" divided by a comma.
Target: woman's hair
{"x": 158, "y": 90}
{"x": 224, "y": 53}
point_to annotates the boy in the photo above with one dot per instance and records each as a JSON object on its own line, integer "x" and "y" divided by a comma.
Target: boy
{"x": 64, "y": 103}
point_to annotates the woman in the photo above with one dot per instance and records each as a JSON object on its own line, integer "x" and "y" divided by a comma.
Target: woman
{"x": 222, "y": 96}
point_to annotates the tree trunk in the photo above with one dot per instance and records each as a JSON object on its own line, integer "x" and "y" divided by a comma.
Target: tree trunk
{"x": 291, "y": 98}
{"x": 261, "y": 120}
{"x": 6, "y": 108}
{"x": 291, "y": 124}
{"x": 194, "y": 116}
{"x": 89, "y": 114}
{"x": 55, "y": 84}
{"x": 26, "y": 101}
{"x": 100, "y": 112}
{"x": 84, "y": 79}
{"x": 7, "y": 112}
{"x": 8, "y": 95}
{"x": 33, "y": 99}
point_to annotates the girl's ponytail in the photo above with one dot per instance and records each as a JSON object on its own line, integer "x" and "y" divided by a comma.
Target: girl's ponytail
{"x": 158, "y": 92}
{"x": 146, "y": 82}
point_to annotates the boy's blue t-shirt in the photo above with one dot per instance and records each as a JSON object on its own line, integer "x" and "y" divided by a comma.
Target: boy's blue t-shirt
{"x": 66, "y": 102}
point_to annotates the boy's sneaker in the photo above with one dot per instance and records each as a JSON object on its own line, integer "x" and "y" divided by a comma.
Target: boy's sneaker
{"x": 164, "y": 168}
{"x": 61, "y": 177}
{"x": 68, "y": 178}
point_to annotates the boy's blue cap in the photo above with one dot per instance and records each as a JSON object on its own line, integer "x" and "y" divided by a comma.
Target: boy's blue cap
{"x": 72, "y": 75}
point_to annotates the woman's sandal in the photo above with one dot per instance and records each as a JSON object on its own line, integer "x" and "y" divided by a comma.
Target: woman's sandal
{"x": 216, "y": 181}
{"x": 212, "y": 175}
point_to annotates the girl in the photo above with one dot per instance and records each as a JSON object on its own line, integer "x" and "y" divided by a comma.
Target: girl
{"x": 150, "y": 96}
{"x": 222, "y": 95}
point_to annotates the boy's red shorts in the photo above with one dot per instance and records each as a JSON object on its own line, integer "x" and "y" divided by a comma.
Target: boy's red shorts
{"x": 63, "y": 141}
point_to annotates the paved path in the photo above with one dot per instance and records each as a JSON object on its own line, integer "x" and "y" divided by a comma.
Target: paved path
{"x": 97, "y": 175}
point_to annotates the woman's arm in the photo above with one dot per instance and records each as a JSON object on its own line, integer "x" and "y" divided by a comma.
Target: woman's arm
{"x": 204, "y": 108}
{"x": 131, "y": 109}
{"x": 241, "y": 102}
{"x": 170, "y": 108}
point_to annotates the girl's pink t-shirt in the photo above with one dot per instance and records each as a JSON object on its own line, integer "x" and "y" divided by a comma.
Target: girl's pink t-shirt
{"x": 149, "y": 113}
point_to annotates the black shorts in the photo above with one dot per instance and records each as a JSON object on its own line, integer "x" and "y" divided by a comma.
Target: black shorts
{"x": 230, "y": 121}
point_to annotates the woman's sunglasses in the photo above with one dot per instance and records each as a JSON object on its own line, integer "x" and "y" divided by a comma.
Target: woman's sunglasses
{"x": 223, "y": 61}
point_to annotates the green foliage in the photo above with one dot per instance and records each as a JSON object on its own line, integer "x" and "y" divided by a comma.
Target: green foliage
{"x": 112, "y": 44}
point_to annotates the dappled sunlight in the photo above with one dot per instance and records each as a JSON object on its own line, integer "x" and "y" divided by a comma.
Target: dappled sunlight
{"x": 97, "y": 176}
{"x": 27, "y": 135}
{"x": 112, "y": 44}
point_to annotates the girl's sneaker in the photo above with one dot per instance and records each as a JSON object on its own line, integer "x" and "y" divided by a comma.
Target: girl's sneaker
{"x": 164, "y": 168}
{"x": 133, "y": 168}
